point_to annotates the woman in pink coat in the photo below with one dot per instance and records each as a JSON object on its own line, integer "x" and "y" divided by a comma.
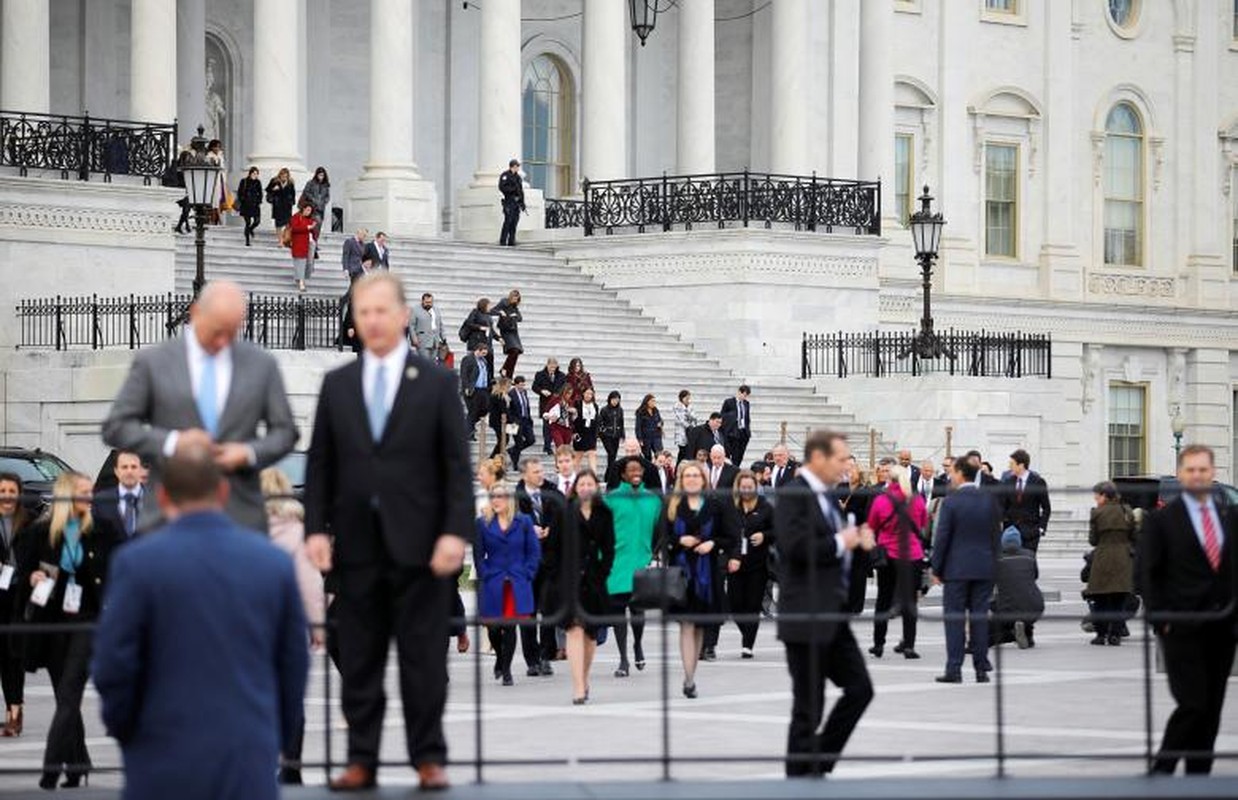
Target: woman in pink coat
{"x": 898, "y": 523}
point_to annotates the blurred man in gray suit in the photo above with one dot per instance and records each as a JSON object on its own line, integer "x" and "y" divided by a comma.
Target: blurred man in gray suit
{"x": 207, "y": 385}
{"x": 352, "y": 256}
{"x": 428, "y": 329}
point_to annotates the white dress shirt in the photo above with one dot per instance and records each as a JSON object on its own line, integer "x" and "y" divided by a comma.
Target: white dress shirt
{"x": 1196, "y": 510}
{"x": 223, "y": 381}
{"x": 565, "y": 484}
{"x": 393, "y": 368}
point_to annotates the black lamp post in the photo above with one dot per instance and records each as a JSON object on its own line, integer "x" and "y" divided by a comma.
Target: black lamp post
{"x": 644, "y": 17}
{"x": 926, "y": 228}
{"x": 201, "y": 174}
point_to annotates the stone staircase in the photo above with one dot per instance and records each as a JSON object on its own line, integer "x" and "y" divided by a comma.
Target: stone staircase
{"x": 566, "y": 314}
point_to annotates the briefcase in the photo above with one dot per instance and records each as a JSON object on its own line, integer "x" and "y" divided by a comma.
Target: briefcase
{"x": 659, "y": 587}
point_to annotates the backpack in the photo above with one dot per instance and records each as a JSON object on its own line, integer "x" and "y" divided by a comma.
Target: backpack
{"x": 464, "y": 331}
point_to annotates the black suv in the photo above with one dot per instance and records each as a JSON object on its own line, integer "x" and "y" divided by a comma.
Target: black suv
{"x": 37, "y": 469}
{"x": 1152, "y": 492}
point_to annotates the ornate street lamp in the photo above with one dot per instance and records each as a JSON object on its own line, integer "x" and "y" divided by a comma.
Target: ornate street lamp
{"x": 644, "y": 17}
{"x": 1178, "y": 426}
{"x": 202, "y": 175}
{"x": 926, "y": 228}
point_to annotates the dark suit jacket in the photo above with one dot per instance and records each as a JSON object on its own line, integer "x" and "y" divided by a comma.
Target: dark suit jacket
{"x": 416, "y": 480}
{"x": 1031, "y": 513}
{"x": 965, "y": 539}
{"x": 787, "y": 475}
{"x": 542, "y": 382}
{"x": 553, "y": 517}
{"x": 469, "y": 370}
{"x": 730, "y": 419}
{"x": 377, "y": 261}
{"x": 523, "y": 416}
{"x": 105, "y": 511}
{"x": 810, "y": 573}
{"x": 1173, "y": 572}
{"x": 726, "y": 479}
{"x": 702, "y": 438}
{"x": 351, "y": 256}
{"x": 203, "y": 604}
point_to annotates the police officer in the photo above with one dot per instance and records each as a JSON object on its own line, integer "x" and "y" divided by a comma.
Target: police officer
{"x": 512, "y": 189}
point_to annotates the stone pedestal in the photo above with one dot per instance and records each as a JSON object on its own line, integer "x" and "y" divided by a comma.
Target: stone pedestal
{"x": 479, "y": 217}
{"x": 402, "y": 203}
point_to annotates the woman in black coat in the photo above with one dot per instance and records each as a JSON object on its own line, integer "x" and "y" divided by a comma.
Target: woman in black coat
{"x": 699, "y": 534}
{"x": 64, "y": 560}
{"x": 507, "y": 311}
{"x": 610, "y": 426}
{"x": 249, "y": 202}
{"x": 281, "y": 194}
{"x": 649, "y": 427}
{"x": 585, "y": 430}
{"x": 14, "y": 522}
{"x": 746, "y": 583}
{"x": 589, "y": 554}
{"x": 500, "y": 413}
{"x": 478, "y": 329}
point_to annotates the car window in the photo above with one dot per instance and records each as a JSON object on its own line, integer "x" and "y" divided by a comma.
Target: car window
{"x": 34, "y": 468}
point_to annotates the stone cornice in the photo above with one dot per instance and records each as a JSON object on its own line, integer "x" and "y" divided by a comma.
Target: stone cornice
{"x": 661, "y": 269}
{"x": 96, "y": 220}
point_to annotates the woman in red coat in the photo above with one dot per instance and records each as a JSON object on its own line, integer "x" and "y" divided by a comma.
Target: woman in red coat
{"x": 301, "y": 230}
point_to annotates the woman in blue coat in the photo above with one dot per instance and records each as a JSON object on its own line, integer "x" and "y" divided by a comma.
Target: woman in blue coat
{"x": 506, "y": 555}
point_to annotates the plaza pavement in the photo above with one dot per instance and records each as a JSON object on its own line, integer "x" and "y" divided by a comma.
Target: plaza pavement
{"x": 1071, "y": 711}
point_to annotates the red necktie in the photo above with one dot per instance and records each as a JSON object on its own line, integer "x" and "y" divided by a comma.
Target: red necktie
{"x": 1212, "y": 547}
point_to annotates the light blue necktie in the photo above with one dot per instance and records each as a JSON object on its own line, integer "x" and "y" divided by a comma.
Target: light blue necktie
{"x": 378, "y": 403}
{"x": 208, "y": 397}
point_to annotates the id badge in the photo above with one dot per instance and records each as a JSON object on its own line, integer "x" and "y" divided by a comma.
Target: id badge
{"x": 72, "y": 598}
{"x": 6, "y": 577}
{"x": 42, "y": 592}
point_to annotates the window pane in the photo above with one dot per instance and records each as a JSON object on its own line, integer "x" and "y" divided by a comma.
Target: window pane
{"x": 1124, "y": 187}
{"x": 1004, "y": 6}
{"x": 1127, "y": 443}
{"x": 547, "y": 141}
{"x": 902, "y": 177}
{"x": 1001, "y": 196}
{"x": 1122, "y": 12}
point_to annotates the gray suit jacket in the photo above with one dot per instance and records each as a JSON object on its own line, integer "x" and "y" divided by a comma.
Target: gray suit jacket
{"x": 157, "y": 398}
{"x": 353, "y": 255}
{"x": 425, "y": 332}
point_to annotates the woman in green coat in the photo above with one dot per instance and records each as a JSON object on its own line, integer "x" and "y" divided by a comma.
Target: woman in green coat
{"x": 637, "y": 513}
{"x": 1112, "y": 531}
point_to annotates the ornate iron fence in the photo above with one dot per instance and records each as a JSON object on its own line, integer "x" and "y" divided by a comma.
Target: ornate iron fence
{"x": 976, "y": 354}
{"x": 277, "y": 323}
{"x": 79, "y": 146}
{"x": 729, "y": 198}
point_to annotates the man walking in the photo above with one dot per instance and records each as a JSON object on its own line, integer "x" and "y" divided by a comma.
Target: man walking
{"x": 208, "y": 381}
{"x": 475, "y": 387}
{"x": 352, "y": 256}
{"x": 428, "y": 335}
{"x": 201, "y": 715}
{"x": 398, "y": 543}
{"x": 376, "y": 254}
{"x": 538, "y": 498}
{"x": 964, "y": 553}
{"x": 547, "y": 383}
{"x": 1026, "y": 497}
{"x": 817, "y": 547}
{"x": 512, "y": 188}
{"x": 521, "y": 415}
{"x": 1188, "y": 569}
{"x": 737, "y": 424}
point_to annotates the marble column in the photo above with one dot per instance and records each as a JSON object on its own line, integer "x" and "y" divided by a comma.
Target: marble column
{"x": 695, "y": 150}
{"x": 876, "y": 135}
{"x": 25, "y": 63}
{"x": 152, "y": 62}
{"x": 191, "y": 69}
{"x": 391, "y": 195}
{"x": 478, "y": 215}
{"x": 603, "y": 133}
{"x": 789, "y": 92}
{"x": 277, "y": 112}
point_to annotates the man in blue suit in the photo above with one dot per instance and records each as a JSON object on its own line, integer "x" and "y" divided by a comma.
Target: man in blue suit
{"x": 201, "y": 655}
{"x": 964, "y": 558}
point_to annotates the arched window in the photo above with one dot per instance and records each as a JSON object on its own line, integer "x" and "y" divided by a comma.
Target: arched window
{"x": 1124, "y": 186}
{"x": 547, "y": 100}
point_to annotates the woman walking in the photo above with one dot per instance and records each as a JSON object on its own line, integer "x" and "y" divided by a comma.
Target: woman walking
{"x": 700, "y": 535}
{"x": 649, "y": 427}
{"x": 500, "y": 414}
{"x": 506, "y": 555}
{"x": 14, "y": 521}
{"x": 585, "y": 439}
{"x": 301, "y": 234}
{"x": 685, "y": 420}
{"x": 318, "y": 193}
{"x": 610, "y": 426}
{"x": 249, "y": 202}
{"x": 559, "y": 417}
{"x": 746, "y": 584}
{"x": 591, "y": 554}
{"x": 637, "y": 519}
{"x": 478, "y": 329}
{"x": 70, "y": 593}
{"x": 898, "y": 517}
{"x": 281, "y": 194}
{"x": 507, "y": 311}
{"x": 1112, "y": 531}
{"x": 578, "y": 378}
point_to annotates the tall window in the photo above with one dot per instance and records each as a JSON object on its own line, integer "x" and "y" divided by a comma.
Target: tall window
{"x": 548, "y": 116}
{"x": 903, "y": 167}
{"x": 1123, "y": 12}
{"x": 1001, "y": 197}
{"x": 1002, "y": 6}
{"x": 1124, "y": 186}
{"x": 1234, "y": 32}
{"x": 1127, "y": 429}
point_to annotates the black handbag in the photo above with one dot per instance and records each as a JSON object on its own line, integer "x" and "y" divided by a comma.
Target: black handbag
{"x": 659, "y": 587}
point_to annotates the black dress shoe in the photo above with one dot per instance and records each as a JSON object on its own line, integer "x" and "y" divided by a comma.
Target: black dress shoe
{"x": 876, "y": 651}
{"x": 507, "y": 679}
{"x": 983, "y": 677}
{"x": 689, "y": 691}
{"x": 290, "y": 776}
{"x": 544, "y": 669}
{"x": 49, "y": 780}
{"x": 910, "y": 654}
{"x": 900, "y": 647}
{"x": 949, "y": 678}
{"x": 622, "y": 672}
{"x": 533, "y": 671}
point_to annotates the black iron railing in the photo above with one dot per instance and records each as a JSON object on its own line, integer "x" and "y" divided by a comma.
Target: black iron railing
{"x": 97, "y": 323}
{"x": 722, "y": 200}
{"x": 78, "y": 147}
{"x": 977, "y": 354}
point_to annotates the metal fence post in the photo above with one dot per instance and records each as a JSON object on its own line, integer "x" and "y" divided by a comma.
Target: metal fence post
{"x": 59, "y": 324}
{"x": 94, "y": 322}
{"x": 588, "y": 218}
{"x": 664, "y": 203}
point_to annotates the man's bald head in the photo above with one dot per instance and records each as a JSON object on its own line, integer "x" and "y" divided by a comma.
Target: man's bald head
{"x": 217, "y": 315}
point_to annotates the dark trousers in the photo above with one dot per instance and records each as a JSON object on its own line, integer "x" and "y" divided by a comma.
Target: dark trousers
{"x": 683, "y": 455}
{"x": 511, "y": 217}
{"x": 68, "y": 666}
{"x": 478, "y": 405}
{"x": 611, "y": 445}
{"x": 736, "y": 446}
{"x": 1108, "y": 604}
{"x": 523, "y": 439}
{"x": 970, "y": 599}
{"x": 810, "y": 666}
{"x": 1198, "y": 662}
{"x": 183, "y": 222}
{"x": 12, "y": 670}
{"x": 503, "y": 640}
{"x": 538, "y": 642}
{"x": 619, "y": 605}
{"x": 745, "y": 592}
{"x": 413, "y": 605}
{"x": 251, "y": 225}
{"x": 509, "y": 363}
{"x": 897, "y": 585}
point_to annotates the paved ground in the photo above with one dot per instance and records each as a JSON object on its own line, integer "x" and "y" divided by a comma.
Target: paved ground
{"x": 1071, "y": 710}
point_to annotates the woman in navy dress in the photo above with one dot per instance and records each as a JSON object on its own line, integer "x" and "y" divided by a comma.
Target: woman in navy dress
{"x": 506, "y": 555}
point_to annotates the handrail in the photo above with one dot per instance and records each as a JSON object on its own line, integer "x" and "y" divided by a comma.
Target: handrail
{"x": 78, "y": 147}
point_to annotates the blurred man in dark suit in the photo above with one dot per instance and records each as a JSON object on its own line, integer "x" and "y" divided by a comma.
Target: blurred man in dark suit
{"x": 704, "y": 437}
{"x": 521, "y": 415}
{"x": 395, "y": 542}
{"x": 1188, "y": 565}
{"x": 737, "y": 424}
{"x": 123, "y": 509}
{"x": 783, "y": 469}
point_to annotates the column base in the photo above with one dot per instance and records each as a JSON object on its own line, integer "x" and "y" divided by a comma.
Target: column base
{"x": 479, "y": 215}
{"x": 269, "y": 167}
{"x": 396, "y": 201}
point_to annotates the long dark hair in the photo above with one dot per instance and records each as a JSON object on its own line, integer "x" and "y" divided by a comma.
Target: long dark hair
{"x": 326, "y": 179}
{"x": 644, "y": 406}
{"x": 586, "y": 473}
{"x": 573, "y": 364}
{"x": 613, "y": 396}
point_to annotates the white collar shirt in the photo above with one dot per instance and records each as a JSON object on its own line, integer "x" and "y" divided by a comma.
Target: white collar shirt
{"x": 223, "y": 369}
{"x": 1196, "y": 510}
{"x": 393, "y": 371}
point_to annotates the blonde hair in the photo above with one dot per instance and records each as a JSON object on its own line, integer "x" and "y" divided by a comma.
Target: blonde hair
{"x": 510, "y": 514}
{"x": 672, "y": 507}
{"x": 495, "y": 468}
{"x": 64, "y": 495}
{"x": 501, "y": 387}
{"x": 277, "y": 488}
{"x": 902, "y": 476}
